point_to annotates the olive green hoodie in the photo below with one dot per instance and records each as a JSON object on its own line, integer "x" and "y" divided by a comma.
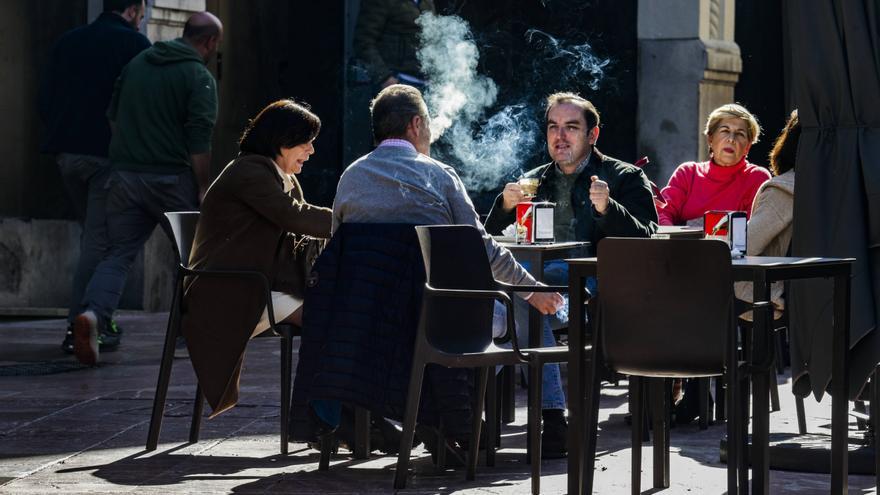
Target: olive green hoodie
{"x": 163, "y": 109}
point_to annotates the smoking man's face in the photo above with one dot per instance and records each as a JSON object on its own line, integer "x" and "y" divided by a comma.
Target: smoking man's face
{"x": 567, "y": 137}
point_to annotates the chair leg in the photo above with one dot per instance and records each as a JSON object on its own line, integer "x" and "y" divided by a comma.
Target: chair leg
{"x": 198, "y": 407}
{"x": 361, "y": 433}
{"x": 536, "y": 380}
{"x": 720, "y": 399}
{"x": 774, "y": 393}
{"x": 657, "y": 392}
{"x": 492, "y": 417}
{"x": 859, "y": 407}
{"x": 801, "y": 415}
{"x": 705, "y": 411}
{"x": 508, "y": 395}
{"x": 637, "y": 409}
{"x": 742, "y": 417}
{"x": 409, "y": 422}
{"x": 474, "y": 449}
{"x": 733, "y": 423}
{"x": 326, "y": 444}
{"x": 164, "y": 372}
{"x": 875, "y": 417}
{"x": 286, "y": 370}
{"x": 777, "y": 346}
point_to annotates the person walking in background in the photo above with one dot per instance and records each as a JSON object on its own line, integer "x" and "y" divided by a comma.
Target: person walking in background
{"x": 74, "y": 94}
{"x": 726, "y": 182}
{"x": 162, "y": 112}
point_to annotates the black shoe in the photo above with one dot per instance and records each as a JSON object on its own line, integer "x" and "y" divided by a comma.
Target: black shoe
{"x": 554, "y": 439}
{"x": 688, "y": 408}
{"x": 67, "y": 344}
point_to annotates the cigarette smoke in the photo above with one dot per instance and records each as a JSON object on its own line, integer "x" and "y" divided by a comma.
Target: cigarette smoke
{"x": 490, "y": 151}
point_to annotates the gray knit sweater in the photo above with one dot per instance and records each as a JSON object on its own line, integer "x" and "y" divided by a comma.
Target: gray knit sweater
{"x": 400, "y": 185}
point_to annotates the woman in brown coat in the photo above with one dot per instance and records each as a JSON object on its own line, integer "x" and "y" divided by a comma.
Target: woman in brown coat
{"x": 246, "y": 213}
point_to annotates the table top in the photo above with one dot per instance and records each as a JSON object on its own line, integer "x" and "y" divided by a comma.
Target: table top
{"x": 679, "y": 231}
{"x": 768, "y": 262}
{"x": 541, "y": 247}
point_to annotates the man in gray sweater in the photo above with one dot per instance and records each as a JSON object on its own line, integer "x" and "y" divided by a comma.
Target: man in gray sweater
{"x": 399, "y": 183}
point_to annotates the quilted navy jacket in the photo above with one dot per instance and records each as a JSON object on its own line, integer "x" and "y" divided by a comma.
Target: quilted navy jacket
{"x": 360, "y": 317}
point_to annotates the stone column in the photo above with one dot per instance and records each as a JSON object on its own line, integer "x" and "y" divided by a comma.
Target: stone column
{"x": 167, "y": 17}
{"x": 688, "y": 66}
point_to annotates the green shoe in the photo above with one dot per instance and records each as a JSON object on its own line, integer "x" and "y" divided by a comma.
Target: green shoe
{"x": 110, "y": 337}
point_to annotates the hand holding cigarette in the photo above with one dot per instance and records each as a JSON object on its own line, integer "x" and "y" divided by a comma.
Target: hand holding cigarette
{"x": 599, "y": 194}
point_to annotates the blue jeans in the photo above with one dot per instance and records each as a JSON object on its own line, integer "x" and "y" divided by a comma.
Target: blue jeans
{"x": 85, "y": 179}
{"x": 136, "y": 203}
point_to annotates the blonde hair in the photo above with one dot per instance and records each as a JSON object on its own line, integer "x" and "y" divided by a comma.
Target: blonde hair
{"x": 735, "y": 111}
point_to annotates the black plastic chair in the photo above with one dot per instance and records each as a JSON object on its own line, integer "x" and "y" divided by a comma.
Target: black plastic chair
{"x": 183, "y": 226}
{"x": 665, "y": 308}
{"x": 455, "y": 330}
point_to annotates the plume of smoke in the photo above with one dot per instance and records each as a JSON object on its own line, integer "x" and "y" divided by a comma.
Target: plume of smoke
{"x": 576, "y": 61}
{"x": 449, "y": 56}
{"x": 458, "y": 99}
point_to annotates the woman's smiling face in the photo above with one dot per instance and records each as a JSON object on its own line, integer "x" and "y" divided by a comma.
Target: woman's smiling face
{"x": 291, "y": 159}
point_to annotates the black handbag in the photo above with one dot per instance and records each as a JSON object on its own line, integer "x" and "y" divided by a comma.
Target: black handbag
{"x": 295, "y": 257}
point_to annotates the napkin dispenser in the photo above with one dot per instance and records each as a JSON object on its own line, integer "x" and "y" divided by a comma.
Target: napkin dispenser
{"x": 534, "y": 222}
{"x": 728, "y": 226}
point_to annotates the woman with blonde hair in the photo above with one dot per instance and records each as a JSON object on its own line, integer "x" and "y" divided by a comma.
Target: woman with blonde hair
{"x": 727, "y": 181}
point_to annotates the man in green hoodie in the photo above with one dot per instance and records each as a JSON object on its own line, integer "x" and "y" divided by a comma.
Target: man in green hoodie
{"x": 162, "y": 114}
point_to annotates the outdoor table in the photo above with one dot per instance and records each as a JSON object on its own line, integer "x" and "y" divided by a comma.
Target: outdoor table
{"x": 536, "y": 255}
{"x": 679, "y": 232}
{"x": 762, "y": 271}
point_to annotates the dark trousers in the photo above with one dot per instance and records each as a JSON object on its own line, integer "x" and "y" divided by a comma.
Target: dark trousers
{"x": 136, "y": 203}
{"x": 85, "y": 179}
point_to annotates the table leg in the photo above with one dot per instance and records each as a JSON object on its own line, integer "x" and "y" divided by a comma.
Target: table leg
{"x": 760, "y": 458}
{"x": 840, "y": 383}
{"x": 575, "y": 382}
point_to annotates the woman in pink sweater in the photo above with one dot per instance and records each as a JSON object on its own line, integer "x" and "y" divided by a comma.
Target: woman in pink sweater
{"x": 726, "y": 182}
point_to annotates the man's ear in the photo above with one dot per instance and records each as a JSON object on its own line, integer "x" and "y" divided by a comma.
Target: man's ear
{"x": 593, "y": 135}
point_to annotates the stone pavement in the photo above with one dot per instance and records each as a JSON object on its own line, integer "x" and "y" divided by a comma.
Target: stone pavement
{"x": 67, "y": 429}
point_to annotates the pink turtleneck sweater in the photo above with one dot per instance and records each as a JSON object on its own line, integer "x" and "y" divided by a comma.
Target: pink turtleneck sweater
{"x": 695, "y": 188}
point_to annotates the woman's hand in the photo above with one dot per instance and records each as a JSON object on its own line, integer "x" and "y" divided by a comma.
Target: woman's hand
{"x": 547, "y": 303}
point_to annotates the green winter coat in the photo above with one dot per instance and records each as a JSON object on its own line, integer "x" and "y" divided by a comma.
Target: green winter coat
{"x": 163, "y": 109}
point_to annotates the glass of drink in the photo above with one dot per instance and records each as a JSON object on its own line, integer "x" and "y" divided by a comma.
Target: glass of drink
{"x": 529, "y": 186}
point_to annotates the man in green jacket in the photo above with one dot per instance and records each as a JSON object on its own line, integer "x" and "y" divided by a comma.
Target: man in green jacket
{"x": 162, "y": 114}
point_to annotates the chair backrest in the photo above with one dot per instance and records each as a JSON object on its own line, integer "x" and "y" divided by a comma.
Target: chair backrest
{"x": 455, "y": 258}
{"x": 665, "y": 306}
{"x": 183, "y": 226}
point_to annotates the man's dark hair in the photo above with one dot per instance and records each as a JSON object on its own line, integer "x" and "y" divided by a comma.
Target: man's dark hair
{"x": 784, "y": 152}
{"x": 591, "y": 115}
{"x": 199, "y": 31}
{"x": 120, "y": 5}
{"x": 392, "y": 110}
{"x": 282, "y": 124}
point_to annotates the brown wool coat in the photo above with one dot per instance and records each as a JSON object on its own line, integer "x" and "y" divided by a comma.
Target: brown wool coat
{"x": 243, "y": 217}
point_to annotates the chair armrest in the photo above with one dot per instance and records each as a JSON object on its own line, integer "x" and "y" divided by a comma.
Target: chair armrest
{"x": 532, "y": 288}
{"x": 241, "y": 274}
{"x": 486, "y": 294}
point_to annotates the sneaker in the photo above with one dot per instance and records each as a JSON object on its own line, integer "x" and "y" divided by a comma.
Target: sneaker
{"x": 85, "y": 338}
{"x": 109, "y": 338}
{"x": 554, "y": 439}
{"x": 67, "y": 344}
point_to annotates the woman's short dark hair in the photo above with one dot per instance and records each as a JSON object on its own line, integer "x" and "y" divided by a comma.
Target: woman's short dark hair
{"x": 393, "y": 109}
{"x": 784, "y": 152}
{"x": 282, "y": 124}
{"x": 120, "y": 5}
